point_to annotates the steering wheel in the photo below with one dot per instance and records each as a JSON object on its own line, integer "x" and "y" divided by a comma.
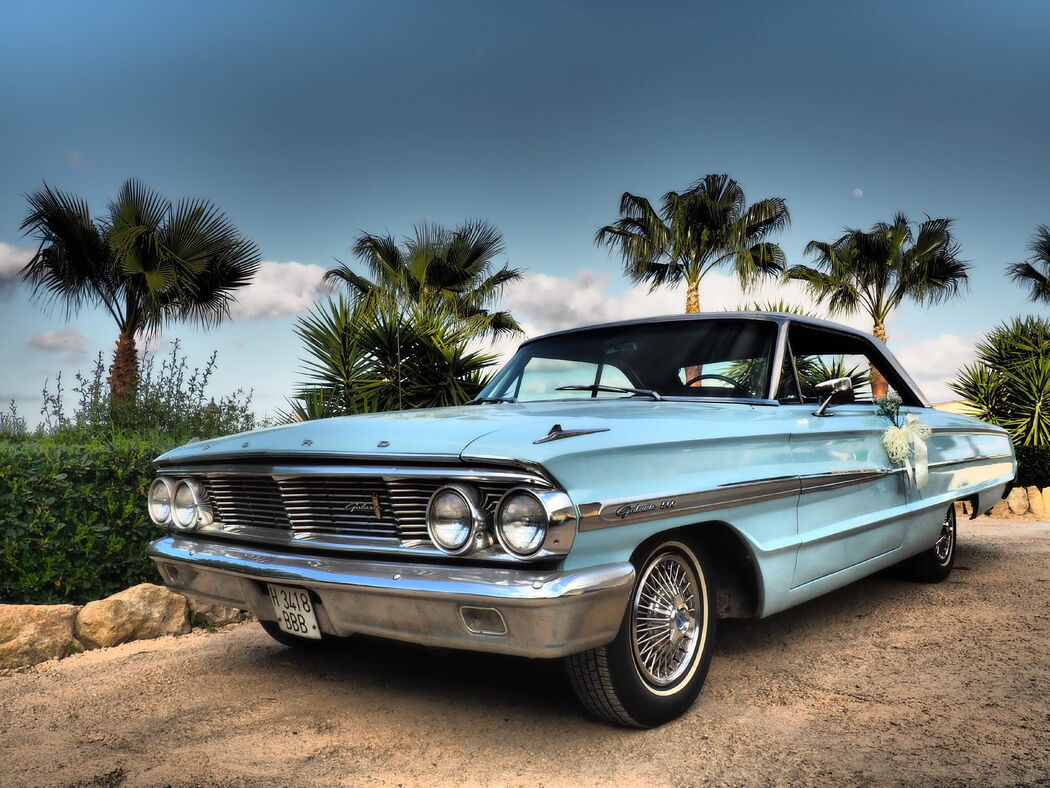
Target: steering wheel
{"x": 723, "y": 378}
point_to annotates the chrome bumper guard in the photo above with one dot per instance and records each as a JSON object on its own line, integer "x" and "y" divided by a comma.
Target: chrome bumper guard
{"x": 540, "y": 613}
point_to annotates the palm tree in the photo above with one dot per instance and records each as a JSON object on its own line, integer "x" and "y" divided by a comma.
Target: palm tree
{"x": 1026, "y": 273}
{"x": 147, "y": 263}
{"x": 455, "y": 267}
{"x": 707, "y": 226}
{"x": 875, "y": 271}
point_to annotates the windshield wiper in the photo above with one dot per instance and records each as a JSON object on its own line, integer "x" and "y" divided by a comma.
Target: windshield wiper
{"x": 612, "y": 390}
{"x": 487, "y": 400}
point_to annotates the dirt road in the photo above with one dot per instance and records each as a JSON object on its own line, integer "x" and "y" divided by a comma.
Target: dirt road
{"x": 884, "y": 682}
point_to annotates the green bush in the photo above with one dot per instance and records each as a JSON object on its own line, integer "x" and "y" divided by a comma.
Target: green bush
{"x": 73, "y": 524}
{"x": 1033, "y": 466}
{"x": 1009, "y": 383}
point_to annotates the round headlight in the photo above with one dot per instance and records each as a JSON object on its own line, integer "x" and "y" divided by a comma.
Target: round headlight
{"x": 184, "y": 509}
{"x": 158, "y": 501}
{"x": 521, "y": 523}
{"x": 453, "y": 518}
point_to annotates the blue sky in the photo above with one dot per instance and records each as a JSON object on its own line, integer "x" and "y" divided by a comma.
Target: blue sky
{"x": 310, "y": 122}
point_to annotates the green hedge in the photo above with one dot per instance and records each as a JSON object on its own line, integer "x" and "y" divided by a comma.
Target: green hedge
{"x": 1033, "y": 466}
{"x": 73, "y": 524}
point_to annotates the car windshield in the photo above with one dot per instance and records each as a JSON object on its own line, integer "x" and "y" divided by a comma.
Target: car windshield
{"x": 712, "y": 358}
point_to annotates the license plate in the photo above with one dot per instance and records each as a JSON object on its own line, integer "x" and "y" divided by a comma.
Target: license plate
{"x": 295, "y": 611}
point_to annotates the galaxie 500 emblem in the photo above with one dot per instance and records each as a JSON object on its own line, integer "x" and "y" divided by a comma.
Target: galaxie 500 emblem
{"x": 634, "y": 509}
{"x": 365, "y": 506}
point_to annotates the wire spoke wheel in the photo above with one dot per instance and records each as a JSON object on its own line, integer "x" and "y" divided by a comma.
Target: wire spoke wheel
{"x": 945, "y": 545}
{"x": 667, "y": 621}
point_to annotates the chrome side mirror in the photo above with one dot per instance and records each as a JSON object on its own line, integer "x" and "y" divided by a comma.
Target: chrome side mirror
{"x": 828, "y": 389}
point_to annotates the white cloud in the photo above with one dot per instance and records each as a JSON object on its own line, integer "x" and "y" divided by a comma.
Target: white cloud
{"x": 543, "y": 303}
{"x": 549, "y": 303}
{"x": 858, "y": 192}
{"x": 933, "y": 362}
{"x": 61, "y": 340}
{"x": 12, "y": 259}
{"x": 279, "y": 289}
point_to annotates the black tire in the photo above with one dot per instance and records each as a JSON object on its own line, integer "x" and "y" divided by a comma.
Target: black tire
{"x": 653, "y": 671}
{"x": 293, "y": 641}
{"x": 934, "y": 565}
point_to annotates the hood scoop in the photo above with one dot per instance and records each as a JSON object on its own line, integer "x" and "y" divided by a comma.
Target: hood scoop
{"x": 557, "y": 433}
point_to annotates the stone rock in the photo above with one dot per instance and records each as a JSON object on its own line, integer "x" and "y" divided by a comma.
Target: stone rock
{"x": 1035, "y": 502}
{"x": 1046, "y": 500}
{"x": 204, "y": 615}
{"x": 138, "y": 613}
{"x": 1000, "y": 510}
{"x": 35, "y": 633}
{"x": 1017, "y": 500}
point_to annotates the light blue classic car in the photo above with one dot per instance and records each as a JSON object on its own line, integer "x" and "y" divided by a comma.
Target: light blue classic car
{"x": 611, "y": 494}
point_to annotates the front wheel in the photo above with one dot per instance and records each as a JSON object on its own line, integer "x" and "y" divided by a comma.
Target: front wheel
{"x": 935, "y": 564}
{"x": 654, "y": 669}
{"x": 294, "y": 641}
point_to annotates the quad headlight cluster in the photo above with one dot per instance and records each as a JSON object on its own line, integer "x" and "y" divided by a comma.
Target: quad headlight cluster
{"x": 459, "y": 525}
{"x": 180, "y": 503}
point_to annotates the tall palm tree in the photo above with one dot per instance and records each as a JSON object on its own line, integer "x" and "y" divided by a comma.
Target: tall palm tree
{"x": 1027, "y": 273}
{"x": 709, "y": 225}
{"x": 454, "y": 266}
{"x": 148, "y": 262}
{"x": 876, "y": 271}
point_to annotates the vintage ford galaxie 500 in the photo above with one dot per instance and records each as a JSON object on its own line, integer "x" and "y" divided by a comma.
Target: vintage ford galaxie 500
{"x": 611, "y": 494}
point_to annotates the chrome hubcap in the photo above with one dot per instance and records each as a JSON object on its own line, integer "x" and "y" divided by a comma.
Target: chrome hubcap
{"x": 666, "y": 620}
{"x": 942, "y": 550}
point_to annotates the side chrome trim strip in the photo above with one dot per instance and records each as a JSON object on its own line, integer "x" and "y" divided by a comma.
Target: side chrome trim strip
{"x": 971, "y": 431}
{"x": 608, "y": 514}
{"x": 594, "y": 516}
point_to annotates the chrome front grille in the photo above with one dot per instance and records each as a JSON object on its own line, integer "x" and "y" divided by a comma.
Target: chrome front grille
{"x": 248, "y": 501}
{"x": 389, "y": 508}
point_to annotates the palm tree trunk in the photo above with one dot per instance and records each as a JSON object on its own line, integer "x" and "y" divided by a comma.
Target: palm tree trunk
{"x": 879, "y": 386}
{"x": 124, "y": 374}
{"x": 692, "y": 296}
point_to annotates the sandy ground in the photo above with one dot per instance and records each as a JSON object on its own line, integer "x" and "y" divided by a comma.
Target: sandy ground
{"x": 885, "y": 682}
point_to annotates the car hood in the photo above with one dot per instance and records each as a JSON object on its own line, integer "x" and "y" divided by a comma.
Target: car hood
{"x": 503, "y": 430}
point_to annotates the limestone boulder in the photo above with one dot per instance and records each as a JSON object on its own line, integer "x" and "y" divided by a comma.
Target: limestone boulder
{"x": 1017, "y": 500}
{"x": 204, "y": 615}
{"x": 1035, "y": 502}
{"x": 1001, "y": 509}
{"x": 138, "y": 613}
{"x": 35, "y": 633}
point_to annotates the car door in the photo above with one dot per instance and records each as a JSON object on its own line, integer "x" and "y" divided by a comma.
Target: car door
{"x": 853, "y": 505}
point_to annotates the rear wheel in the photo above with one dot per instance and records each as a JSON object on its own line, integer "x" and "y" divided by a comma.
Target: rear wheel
{"x": 935, "y": 564}
{"x": 654, "y": 669}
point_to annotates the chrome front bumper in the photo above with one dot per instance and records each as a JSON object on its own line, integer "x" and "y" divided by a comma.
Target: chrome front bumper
{"x": 540, "y": 613}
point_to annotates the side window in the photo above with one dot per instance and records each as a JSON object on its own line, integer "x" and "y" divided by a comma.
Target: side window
{"x": 821, "y": 355}
{"x": 542, "y": 376}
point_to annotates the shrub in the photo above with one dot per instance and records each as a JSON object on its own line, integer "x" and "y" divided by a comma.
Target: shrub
{"x": 73, "y": 524}
{"x": 1009, "y": 384}
{"x": 169, "y": 404}
{"x": 383, "y": 354}
{"x": 1033, "y": 466}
